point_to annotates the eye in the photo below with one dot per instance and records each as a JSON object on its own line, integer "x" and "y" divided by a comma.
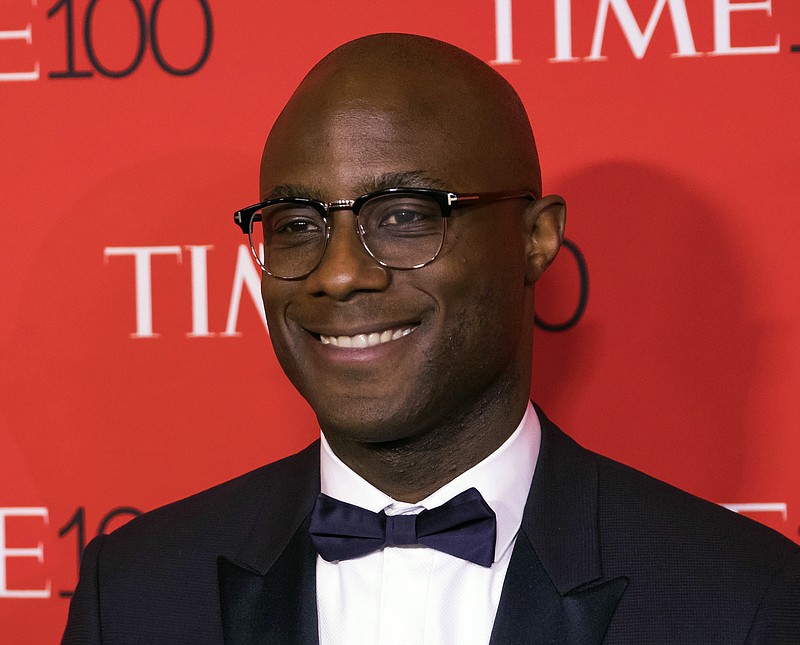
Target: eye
{"x": 290, "y": 226}
{"x": 404, "y": 215}
{"x": 295, "y": 226}
{"x": 400, "y": 217}
{"x": 292, "y": 221}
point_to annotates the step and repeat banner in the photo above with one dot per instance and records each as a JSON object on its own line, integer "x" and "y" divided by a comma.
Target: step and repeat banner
{"x": 136, "y": 365}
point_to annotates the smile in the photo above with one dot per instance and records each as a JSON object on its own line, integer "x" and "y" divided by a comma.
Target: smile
{"x": 360, "y": 341}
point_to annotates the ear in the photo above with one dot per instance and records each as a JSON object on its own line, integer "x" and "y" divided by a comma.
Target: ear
{"x": 544, "y": 230}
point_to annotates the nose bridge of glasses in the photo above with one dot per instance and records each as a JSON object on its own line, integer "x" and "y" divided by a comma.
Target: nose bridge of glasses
{"x": 346, "y": 264}
{"x": 348, "y": 235}
{"x": 340, "y": 204}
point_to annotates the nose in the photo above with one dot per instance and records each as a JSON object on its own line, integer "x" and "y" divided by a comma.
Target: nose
{"x": 346, "y": 267}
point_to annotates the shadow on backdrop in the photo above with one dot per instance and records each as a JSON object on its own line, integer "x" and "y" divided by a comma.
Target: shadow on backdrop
{"x": 103, "y": 418}
{"x": 658, "y": 371}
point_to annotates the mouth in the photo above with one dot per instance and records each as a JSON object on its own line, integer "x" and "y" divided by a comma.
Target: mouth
{"x": 371, "y": 339}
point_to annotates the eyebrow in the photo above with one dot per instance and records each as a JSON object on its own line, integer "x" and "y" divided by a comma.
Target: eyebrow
{"x": 292, "y": 190}
{"x": 403, "y": 179}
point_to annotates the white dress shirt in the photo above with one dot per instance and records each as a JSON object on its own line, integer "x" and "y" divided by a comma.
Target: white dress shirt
{"x": 413, "y": 595}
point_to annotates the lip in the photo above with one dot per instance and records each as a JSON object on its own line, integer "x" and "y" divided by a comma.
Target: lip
{"x": 361, "y": 342}
{"x": 364, "y": 340}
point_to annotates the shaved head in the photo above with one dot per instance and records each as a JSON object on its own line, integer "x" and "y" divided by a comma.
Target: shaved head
{"x": 427, "y": 86}
{"x": 415, "y": 374}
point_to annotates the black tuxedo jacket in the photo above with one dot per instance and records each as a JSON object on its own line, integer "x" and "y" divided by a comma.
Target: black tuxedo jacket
{"x": 605, "y": 554}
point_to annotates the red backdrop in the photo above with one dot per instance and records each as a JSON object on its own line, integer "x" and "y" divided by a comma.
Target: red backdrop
{"x": 136, "y": 367}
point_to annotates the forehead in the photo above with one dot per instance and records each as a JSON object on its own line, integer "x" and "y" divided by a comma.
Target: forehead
{"x": 339, "y": 148}
{"x": 405, "y": 179}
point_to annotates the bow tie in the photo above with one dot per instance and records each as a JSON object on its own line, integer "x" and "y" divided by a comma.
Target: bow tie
{"x": 464, "y": 527}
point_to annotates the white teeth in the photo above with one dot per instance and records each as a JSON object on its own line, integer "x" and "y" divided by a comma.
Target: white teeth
{"x": 360, "y": 341}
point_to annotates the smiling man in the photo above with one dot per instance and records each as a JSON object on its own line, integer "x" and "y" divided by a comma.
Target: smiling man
{"x": 401, "y": 231}
{"x": 411, "y": 413}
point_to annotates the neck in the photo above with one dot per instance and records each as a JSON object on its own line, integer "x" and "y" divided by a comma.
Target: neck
{"x": 409, "y": 470}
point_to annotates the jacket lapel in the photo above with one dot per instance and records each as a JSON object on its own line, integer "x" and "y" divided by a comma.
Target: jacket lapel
{"x": 268, "y": 588}
{"x": 554, "y": 590}
{"x": 533, "y": 611}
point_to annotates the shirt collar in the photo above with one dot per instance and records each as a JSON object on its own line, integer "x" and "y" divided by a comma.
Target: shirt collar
{"x": 503, "y": 479}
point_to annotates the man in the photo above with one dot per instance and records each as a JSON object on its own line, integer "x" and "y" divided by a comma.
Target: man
{"x": 405, "y": 318}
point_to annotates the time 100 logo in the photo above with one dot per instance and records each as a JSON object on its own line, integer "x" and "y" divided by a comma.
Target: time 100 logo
{"x": 80, "y": 32}
{"x": 145, "y": 27}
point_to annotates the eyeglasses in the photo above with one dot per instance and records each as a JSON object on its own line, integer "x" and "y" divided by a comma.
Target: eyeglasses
{"x": 401, "y": 228}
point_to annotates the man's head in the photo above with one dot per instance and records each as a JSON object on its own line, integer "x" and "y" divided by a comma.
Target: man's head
{"x": 396, "y": 110}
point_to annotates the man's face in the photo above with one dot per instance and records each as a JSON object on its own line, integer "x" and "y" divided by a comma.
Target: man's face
{"x": 460, "y": 327}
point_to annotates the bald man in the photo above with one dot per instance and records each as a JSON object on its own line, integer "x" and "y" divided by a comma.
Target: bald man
{"x": 403, "y": 229}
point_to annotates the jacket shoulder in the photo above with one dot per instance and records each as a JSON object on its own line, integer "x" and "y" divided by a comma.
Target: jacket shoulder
{"x": 214, "y": 518}
{"x": 632, "y": 505}
{"x": 647, "y": 507}
{"x": 693, "y": 565}
{"x": 154, "y": 580}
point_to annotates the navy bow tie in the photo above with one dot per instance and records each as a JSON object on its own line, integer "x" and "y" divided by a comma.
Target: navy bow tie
{"x": 463, "y": 527}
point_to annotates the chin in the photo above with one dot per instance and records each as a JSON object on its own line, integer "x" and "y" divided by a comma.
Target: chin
{"x": 372, "y": 426}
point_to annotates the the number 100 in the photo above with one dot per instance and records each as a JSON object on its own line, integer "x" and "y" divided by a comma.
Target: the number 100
{"x": 144, "y": 26}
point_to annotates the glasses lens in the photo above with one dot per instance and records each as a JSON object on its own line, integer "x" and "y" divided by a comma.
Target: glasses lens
{"x": 290, "y": 238}
{"x": 402, "y": 230}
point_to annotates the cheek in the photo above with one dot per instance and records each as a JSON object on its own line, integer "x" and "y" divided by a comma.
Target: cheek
{"x": 276, "y": 297}
{"x": 269, "y": 299}
{"x": 484, "y": 270}
{"x": 483, "y": 297}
